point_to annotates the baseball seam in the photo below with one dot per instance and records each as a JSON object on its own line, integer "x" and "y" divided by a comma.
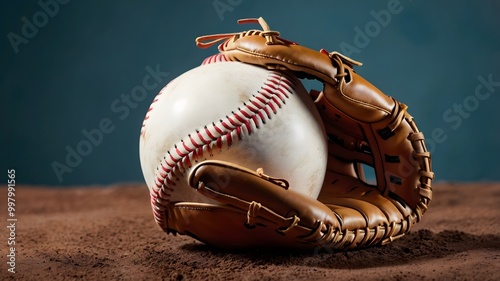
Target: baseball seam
{"x": 151, "y": 107}
{"x": 203, "y": 142}
{"x": 209, "y": 60}
{"x": 215, "y": 58}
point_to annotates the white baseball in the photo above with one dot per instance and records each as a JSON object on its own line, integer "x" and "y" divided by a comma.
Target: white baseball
{"x": 233, "y": 112}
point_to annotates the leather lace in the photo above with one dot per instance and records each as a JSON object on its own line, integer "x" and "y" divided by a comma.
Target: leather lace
{"x": 272, "y": 37}
{"x": 281, "y": 182}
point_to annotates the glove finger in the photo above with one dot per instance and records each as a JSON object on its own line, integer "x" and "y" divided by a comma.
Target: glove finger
{"x": 240, "y": 186}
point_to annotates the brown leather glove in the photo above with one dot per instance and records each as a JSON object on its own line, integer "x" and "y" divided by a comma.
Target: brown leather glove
{"x": 364, "y": 126}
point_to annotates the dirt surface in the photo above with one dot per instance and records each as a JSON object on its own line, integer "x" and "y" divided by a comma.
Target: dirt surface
{"x": 98, "y": 233}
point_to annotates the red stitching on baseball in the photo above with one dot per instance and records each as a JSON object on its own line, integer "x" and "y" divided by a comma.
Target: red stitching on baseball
{"x": 229, "y": 139}
{"x": 219, "y": 143}
{"x": 260, "y": 99}
{"x": 254, "y": 110}
{"x": 244, "y": 113}
{"x": 272, "y": 107}
{"x": 189, "y": 149}
{"x": 209, "y": 133}
{"x": 201, "y": 137}
{"x": 151, "y": 109}
{"x": 266, "y": 92}
{"x": 238, "y": 132}
{"x": 214, "y": 59}
{"x": 181, "y": 154}
{"x": 255, "y": 119}
{"x": 231, "y": 121}
{"x": 225, "y": 125}
{"x": 217, "y": 128}
{"x": 263, "y": 117}
{"x": 249, "y": 128}
{"x": 193, "y": 141}
{"x": 172, "y": 157}
{"x": 277, "y": 101}
{"x": 218, "y": 134}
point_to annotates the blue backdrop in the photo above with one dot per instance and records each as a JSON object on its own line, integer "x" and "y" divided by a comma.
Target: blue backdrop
{"x": 74, "y": 95}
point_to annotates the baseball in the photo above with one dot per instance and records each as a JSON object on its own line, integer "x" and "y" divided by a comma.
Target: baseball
{"x": 237, "y": 113}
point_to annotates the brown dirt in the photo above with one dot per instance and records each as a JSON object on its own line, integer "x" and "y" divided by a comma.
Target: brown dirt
{"x": 97, "y": 233}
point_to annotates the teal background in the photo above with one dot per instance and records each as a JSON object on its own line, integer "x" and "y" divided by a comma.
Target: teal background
{"x": 65, "y": 79}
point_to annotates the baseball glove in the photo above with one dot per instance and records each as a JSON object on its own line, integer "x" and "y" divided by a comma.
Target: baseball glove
{"x": 363, "y": 125}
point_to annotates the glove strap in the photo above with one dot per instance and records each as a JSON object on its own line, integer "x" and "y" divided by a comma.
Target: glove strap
{"x": 272, "y": 37}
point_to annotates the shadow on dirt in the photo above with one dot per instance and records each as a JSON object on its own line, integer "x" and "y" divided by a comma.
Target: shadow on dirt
{"x": 419, "y": 245}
